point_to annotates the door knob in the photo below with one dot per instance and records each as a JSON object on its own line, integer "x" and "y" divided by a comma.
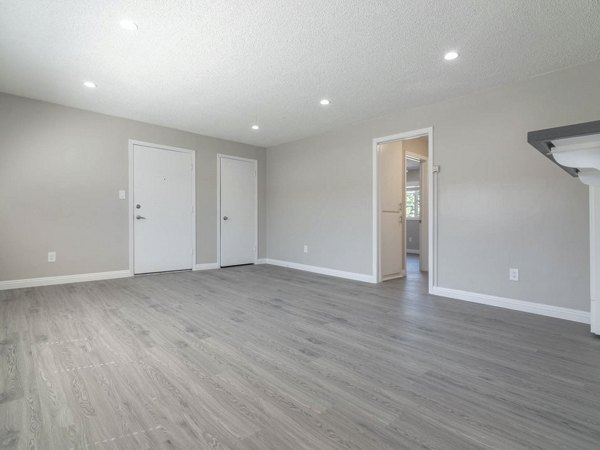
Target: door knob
{"x": 138, "y": 217}
{"x": 225, "y": 218}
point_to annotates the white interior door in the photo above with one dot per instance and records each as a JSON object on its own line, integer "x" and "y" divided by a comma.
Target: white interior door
{"x": 392, "y": 176}
{"x": 163, "y": 209}
{"x": 238, "y": 207}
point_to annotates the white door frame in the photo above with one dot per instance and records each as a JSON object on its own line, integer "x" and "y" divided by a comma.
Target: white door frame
{"x": 132, "y": 143}
{"x": 432, "y": 205}
{"x": 239, "y": 158}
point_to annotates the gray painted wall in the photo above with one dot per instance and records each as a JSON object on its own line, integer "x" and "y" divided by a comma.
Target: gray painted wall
{"x": 501, "y": 204}
{"x": 412, "y": 176}
{"x": 412, "y": 235}
{"x": 60, "y": 172}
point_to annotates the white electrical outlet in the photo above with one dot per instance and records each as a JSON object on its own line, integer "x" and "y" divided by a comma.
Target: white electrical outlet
{"x": 121, "y": 194}
{"x": 51, "y": 256}
{"x": 306, "y": 249}
{"x": 513, "y": 274}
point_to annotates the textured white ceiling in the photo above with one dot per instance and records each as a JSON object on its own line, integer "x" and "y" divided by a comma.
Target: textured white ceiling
{"x": 215, "y": 67}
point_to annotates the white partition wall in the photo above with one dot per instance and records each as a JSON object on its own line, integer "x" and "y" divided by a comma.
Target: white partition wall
{"x": 595, "y": 258}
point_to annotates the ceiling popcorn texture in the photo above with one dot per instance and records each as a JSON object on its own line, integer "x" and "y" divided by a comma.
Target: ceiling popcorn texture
{"x": 218, "y": 67}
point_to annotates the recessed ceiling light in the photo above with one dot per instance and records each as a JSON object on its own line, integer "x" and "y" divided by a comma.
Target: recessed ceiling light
{"x": 89, "y": 84}
{"x": 450, "y": 56}
{"x": 255, "y": 127}
{"x": 325, "y": 102}
{"x": 129, "y": 25}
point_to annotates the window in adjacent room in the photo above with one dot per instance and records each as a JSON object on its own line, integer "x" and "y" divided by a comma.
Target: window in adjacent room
{"x": 413, "y": 203}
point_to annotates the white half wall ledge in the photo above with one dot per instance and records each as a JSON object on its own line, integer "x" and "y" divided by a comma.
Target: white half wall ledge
{"x": 367, "y": 278}
{"x": 558, "y": 312}
{"x": 63, "y": 279}
{"x": 206, "y": 266}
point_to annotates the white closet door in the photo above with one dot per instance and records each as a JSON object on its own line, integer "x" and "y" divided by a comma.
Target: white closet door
{"x": 238, "y": 211}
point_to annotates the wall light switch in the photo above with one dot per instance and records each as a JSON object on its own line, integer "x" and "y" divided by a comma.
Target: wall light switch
{"x": 51, "y": 256}
{"x": 513, "y": 274}
{"x": 121, "y": 194}
{"x": 306, "y": 249}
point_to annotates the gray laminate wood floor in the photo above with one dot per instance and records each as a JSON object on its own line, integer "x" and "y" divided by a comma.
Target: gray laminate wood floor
{"x": 261, "y": 357}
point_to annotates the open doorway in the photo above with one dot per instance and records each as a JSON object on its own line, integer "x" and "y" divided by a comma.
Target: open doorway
{"x": 416, "y": 211}
{"x": 402, "y": 201}
{"x": 413, "y": 216}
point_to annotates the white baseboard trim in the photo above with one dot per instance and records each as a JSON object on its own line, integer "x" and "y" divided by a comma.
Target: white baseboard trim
{"x": 323, "y": 270}
{"x": 574, "y": 315}
{"x": 211, "y": 266}
{"x": 63, "y": 279}
{"x": 413, "y": 252}
{"x": 206, "y": 266}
